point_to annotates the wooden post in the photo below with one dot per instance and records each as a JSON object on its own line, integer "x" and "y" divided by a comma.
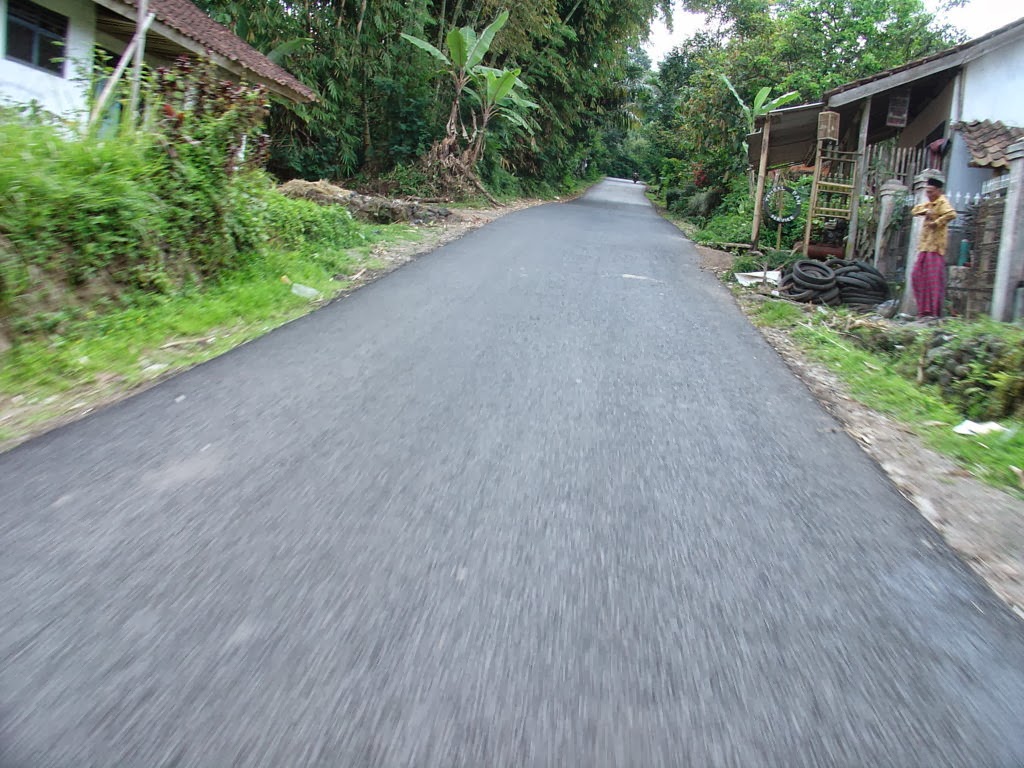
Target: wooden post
{"x": 140, "y": 52}
{"x": 108, "y": 89}
{"x": 762, "y": 170}
{"x": 858, "y": 182}
{"x": 813, "y": 202}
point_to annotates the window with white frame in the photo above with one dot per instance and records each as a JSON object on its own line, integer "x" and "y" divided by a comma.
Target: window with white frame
{"x": 36, "y": 36}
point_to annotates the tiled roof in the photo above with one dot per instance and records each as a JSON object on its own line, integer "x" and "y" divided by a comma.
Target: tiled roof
{"x": 987, "y": 141}
{"x": 186, "y": 19}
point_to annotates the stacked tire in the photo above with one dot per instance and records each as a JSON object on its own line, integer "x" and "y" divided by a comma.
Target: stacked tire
{"x": 860, "y": 285}
{"x": 811, "y": 282}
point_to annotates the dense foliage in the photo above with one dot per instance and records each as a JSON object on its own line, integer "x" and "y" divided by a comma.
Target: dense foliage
{"x": 86, "y": 218}
{"x": 692, "y": 144}
{"x": 382, "y": 106}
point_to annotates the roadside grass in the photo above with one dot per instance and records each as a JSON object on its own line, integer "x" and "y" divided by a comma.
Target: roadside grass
{"x": 143, "y": 336}
{"x": 875, "y": 381}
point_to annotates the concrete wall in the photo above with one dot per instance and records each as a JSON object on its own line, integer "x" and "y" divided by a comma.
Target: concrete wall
{"x": 930, "y": 118}
{"x": 961, "y": 177}
{"x": 993, "y": 86}
{"x": 62, "y": 95}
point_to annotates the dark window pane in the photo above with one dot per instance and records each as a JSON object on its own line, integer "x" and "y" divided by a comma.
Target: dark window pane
{"x": 36, "y": 35}
{"x": 50, "y": 48}
{"x": 20, "y": 42}
{"x": 37, "y": 16}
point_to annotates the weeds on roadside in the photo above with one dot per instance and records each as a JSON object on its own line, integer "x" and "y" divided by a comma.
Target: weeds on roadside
{"x": 880, "y": 380}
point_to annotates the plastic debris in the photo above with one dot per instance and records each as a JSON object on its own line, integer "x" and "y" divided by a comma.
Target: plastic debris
{"x": 969, "y": 427}
{"x": 754, "y": 278}
{"x": 301, "y": 290}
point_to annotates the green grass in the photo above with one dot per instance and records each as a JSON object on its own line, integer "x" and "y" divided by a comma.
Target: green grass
{"x": 875, "y": 381}
{"x": 127, "y": 343}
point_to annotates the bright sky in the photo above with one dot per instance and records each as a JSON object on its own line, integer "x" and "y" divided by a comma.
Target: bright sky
{"x": 976, "y": 18}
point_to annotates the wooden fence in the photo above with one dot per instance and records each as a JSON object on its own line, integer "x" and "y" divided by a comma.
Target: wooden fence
{"x": 885, "y": 161}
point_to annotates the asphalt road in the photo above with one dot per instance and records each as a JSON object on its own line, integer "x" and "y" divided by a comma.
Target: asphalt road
{"x": 540, "y": 498}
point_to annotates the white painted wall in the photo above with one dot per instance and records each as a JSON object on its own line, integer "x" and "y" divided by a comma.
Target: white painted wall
{"x": 961, "y": 177}
{"x": 993, "y": 86}
{"x": 65, "y": 95}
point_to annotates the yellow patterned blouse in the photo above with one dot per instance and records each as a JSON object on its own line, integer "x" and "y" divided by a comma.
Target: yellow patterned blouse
{"x": 938, "y": 213}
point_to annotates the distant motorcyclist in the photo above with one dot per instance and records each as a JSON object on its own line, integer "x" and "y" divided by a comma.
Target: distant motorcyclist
{"x": 636, "y": 177}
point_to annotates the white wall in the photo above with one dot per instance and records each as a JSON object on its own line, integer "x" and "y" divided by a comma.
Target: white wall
{"x": 61, "y": 95}
{"x": 994, "y": 86}
{"x": 961, "y": 177}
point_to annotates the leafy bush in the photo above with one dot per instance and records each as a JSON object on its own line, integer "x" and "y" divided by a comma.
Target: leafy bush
{"x": 673, "y": 198}
{"x": 979, "y": 368}
{"x": 699, "y": 205}
{"x": 82, "y": 217}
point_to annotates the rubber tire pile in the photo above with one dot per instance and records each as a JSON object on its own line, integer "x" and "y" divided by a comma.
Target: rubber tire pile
{"x": 836, "y": 281}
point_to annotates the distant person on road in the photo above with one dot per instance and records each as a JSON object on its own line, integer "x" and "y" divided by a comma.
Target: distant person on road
{"x": 928, "y": 277}
{"x": 636, "y": 177}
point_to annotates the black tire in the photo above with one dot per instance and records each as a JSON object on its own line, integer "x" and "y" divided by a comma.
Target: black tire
{"x": 836, "y": 264}
{"x": 865, "y": 275}
{"x": 813, "y": 273}
{"x": 826, "y": 296}
{"x": 865, "y": 267}
{"x": 856, "y": 290}
{"x": 876, "y": 283}
{"x": 865, "y": 300}
{"x": 802, "y": 296}
{"x": 852, "y": 269}
{"x": 814, "y": 286}
{"x": 853, "y": 282}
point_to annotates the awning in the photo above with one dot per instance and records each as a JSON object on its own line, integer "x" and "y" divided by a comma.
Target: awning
{"x": 793, "y": 136}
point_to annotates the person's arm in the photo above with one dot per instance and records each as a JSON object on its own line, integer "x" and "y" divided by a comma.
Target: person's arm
{"x": 919, "y": 210}
{"x": 943, "y": 212}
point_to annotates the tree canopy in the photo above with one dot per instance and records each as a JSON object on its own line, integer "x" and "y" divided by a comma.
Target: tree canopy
{"x": 382, "y": 105}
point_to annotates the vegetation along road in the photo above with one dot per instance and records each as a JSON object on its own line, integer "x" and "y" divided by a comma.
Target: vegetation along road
{"x": 541, "y": 498}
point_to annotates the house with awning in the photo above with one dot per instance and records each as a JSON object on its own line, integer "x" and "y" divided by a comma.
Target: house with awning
{"x": 956, "y": 113}
{"x": 47, "y": 45}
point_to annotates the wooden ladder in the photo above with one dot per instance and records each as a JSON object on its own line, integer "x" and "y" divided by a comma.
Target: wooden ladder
{"x": 835, "y": 174}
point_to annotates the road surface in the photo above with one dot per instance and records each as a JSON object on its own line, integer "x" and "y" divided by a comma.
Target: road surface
{"x": 541, "y": 498}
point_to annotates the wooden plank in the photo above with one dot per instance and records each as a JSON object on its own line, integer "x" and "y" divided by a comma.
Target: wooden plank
{"x": 115, "y": 77}
{"x": 898, "y": 79}
{"x": 762, "y": 170}
{"x": 813, "y": 202}
{"x": 140, "y": 53}
{"x": 859, "y": 177}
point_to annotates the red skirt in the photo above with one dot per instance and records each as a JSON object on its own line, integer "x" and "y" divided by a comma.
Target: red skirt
{"x": 928, "y": 280}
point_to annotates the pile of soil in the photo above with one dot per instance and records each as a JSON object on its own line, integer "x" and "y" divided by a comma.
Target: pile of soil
{"x": 378, "y": 210}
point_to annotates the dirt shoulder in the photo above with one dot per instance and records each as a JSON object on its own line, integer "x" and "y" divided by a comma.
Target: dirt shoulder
{"x": 22, "y": 417}
{"x": 983, "y": 524}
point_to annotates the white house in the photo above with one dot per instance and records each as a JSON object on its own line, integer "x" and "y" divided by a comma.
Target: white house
{"x": 46, "y": 46}
{"x": 957, "y": 112}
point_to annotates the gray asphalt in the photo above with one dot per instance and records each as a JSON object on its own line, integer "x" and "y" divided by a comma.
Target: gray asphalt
{"x": 540, "y": 498}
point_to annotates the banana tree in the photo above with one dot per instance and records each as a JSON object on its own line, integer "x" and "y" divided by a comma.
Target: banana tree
{"x": 761, "y": 105}
{"x": 465, "y": 53}
{"x": 494, "y": 93}
{"x": 497, "y": 95}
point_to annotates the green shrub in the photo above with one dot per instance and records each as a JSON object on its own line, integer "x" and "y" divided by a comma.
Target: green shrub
{"x": 673, "y": 198}
{"x": 699, "y": 205}
{"x": 83, "y": 217}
